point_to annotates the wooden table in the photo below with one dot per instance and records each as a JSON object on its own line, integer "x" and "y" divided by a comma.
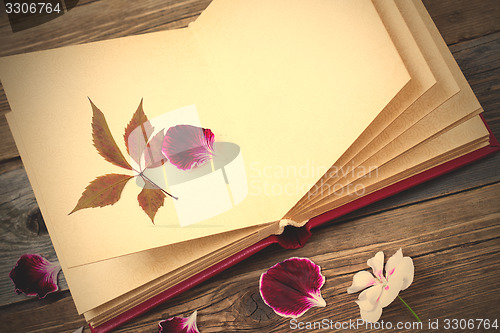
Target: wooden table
{"x": 449, "y": 226}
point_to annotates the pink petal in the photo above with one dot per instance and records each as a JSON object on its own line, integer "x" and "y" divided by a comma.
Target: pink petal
{"x": 35, "y": 275}
{"x": 360, "y": 281}
{"x": 153, "y": 155}
{"x": 188, "y": 146}
{"x": 292, "y": 287}
{"x": 179, "y": 325}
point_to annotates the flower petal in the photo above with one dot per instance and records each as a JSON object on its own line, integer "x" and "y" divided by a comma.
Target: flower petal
{"x": 188, "y": 146}
{"x": 392, "y": 263}
{"x": 407, "y": 270}
{"x": 292, "y": 287}
{"x": 369, "y": 298}
{"x": 390, "y": 291}
{"x": 360, "y": 281}
{"x": 371, "y": 316}
{"x": 377, "y": 264}
{"x": 35, "y": 275}
{"x": 179, "y": 325}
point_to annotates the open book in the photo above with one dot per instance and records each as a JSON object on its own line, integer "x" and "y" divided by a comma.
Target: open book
{"x": 164, "y": 158}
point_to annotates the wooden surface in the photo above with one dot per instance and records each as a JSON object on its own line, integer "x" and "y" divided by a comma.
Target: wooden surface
{"x": 449, "y": 226}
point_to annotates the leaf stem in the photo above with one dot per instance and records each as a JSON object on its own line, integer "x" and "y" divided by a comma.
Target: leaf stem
{"x": 413, "y": 312}
{"x": 150, "y": 181}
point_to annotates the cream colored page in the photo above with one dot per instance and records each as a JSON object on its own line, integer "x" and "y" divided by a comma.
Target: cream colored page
{"x": 309, "y": 73}
{"x": 94, "y": 284}
{"x": 48, "y": 94}
{"x": 97, "y": 283}
{"x": 458, "y": 108}
{"x": 135, "y": 297}
{"x": 421, "y": 86}
{"x": 425, "y": 156}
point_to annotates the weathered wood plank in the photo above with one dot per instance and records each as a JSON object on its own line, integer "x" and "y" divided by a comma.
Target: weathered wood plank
{"x": 100, "y": 20}
{"x": 55, "y": 313}
{"x": 22, "y": 230}
{"x": 8, "y": 147}
{"x": 459, "y": 20}
{"x": 454, "y": 242}
{"x": 11, "y": 164}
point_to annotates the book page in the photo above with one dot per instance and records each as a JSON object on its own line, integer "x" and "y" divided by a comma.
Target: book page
{"x": 460, "y": 140}
{"x": 96, "y": 283}
{"x": 278, "y": 105}
{"x": 398, "y": 138}
{"x": 432, "y": 84}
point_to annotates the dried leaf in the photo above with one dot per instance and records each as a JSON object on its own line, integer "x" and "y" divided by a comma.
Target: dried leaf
{"x": 102, "y": 191}
{"x": 188, "y": 146}
{"x": 103, "y": 140}
{"x": 137, "y": 132}
{"x": 151, "y": 199}
{"x": 153, "y": 155}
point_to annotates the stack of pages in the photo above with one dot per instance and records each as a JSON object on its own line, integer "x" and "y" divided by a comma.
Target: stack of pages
{"x": 161, "y": 159}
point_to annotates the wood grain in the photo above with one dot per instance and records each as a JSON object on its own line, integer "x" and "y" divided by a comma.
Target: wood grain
{"x": 450, "y": 225}
{"x": 8, "y": 147}
{"x": 463, "y": 20}
{"x": 22, "y": 230}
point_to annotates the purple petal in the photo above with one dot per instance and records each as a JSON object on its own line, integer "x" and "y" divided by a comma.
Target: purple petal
{"x": 179, "y": 325}
{"x": 35, "y": 275}
{"x": 188, "y": 146}
{"x": 292, "y": 287}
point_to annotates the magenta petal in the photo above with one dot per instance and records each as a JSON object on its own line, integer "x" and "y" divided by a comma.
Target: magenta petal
{"x": 188, "y": 146}
{"x": 35, "y": 275}
{"x": 179, "y": 325}
{"x": 292, "y": 287}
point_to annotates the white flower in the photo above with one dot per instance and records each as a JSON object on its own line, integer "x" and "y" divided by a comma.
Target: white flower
{"x": 383, "y": 289}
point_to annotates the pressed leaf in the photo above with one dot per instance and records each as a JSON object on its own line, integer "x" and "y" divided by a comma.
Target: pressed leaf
{"x": 152, "y": 155}
{"x": 188, "y": 146}
{"x": 151, "y": 199}
{"x": 102, "y": 191}
{"x": 34, "y": 275}
{"x": 103, "y": 140}
{"x": 137, "y": 132}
